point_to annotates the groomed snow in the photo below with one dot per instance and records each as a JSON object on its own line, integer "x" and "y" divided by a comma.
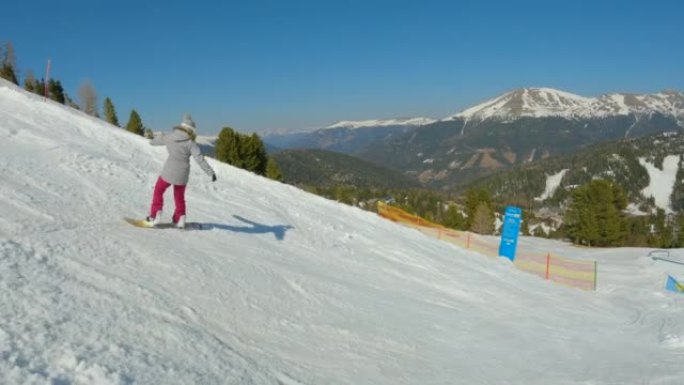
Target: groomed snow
{"x": 661, "y": 182}
{"x": 285, "y": 287}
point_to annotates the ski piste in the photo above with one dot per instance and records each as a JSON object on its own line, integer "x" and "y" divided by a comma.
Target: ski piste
{"x": 142, "y": 223}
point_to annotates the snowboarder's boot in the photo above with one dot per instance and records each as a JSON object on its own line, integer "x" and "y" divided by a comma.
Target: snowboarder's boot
{"x": 156, "y": 220}
{"x": 181, "y": 222}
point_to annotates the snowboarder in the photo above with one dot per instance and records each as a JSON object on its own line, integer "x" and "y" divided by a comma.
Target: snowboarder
{"x": 180, "y": 143}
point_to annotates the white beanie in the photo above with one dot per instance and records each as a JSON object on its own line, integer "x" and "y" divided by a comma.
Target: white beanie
{"x": 188, "y": 123}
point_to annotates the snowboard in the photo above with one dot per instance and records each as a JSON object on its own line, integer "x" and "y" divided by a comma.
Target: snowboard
{"x": 146, "y": 225}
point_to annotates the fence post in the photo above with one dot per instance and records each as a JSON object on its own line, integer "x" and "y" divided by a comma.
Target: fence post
{"x": 548, "y": 264}
{"x": 468, "y": 241}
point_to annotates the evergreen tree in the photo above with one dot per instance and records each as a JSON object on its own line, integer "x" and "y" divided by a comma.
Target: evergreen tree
{"x": 135, "y": 124}
{"x": 454, "y": 219}
{"x": 594, "y": 216}
{"x": 243, "y": 151}
{"x": 39, "y": 87}
{"x": 273, "y": 171}
{"x": 227, "y": 145}
{"x": 475, "y": 197}
{"x": 254, "y": 154}
{"x": 55, "y": 91}
{"x": 110, "y": 112}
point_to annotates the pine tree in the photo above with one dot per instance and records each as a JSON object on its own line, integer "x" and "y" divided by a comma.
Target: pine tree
{"x": 110, "y": 112}
{"x": 273, "y": 171}
{"x": 243, "y": 151}
{"x": 454, "y": 219}
{"x": 55, "y": 91}
{"x": 254, "y": 154}
{"x": 594, "y": 217}
{"x": 227, "y": 145}
{"x": 474, "y": 198}
{"x": 135, "y": 124}
{"x": 39, "y": 87}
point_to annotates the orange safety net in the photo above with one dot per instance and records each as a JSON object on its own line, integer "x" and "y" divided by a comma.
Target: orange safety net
{"x": 562, "y": 270}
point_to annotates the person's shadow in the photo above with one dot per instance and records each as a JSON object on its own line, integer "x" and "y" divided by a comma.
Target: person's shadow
{"x": 253, "y": 228}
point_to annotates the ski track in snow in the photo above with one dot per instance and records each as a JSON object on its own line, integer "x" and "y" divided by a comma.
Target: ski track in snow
{"x": 285, "y": 287}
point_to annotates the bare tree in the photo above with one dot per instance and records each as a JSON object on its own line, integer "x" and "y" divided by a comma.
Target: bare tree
{"x": 8, "y": 63}
{"x": 30, "y": 82}
{"x": 10, "y": 57}
{"x": 88, "y": 98}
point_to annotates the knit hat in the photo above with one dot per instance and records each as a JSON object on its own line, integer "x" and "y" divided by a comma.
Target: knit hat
{"x": 188, "y": 124}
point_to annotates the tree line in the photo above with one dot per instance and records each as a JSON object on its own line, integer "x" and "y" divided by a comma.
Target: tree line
{"x": 244, "y": 151}
{"x": 53, "y": 89}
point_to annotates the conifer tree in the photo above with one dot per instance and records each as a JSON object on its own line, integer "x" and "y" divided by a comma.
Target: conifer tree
{"x": 110, "y": 112}
{"x": 55, "y": 91}
{"x": 254, "y": 154}
{"x": 273, "y": 171}
{"x": 594, "y": 216}
{"x": 474, "y": 198}
{"x": 454, "y": 219}
{"x": 227, "y": 146}
{"x": 135, "y": 124}
{"x": 243, "y": 151}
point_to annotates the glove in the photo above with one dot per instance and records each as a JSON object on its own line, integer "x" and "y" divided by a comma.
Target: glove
{"x": 213, "y": 178}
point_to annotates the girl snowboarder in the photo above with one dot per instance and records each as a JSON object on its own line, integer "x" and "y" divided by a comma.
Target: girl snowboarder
{"x": 180, "y": 143}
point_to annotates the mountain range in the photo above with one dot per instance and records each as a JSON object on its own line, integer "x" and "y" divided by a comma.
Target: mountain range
{"x": 515, "y": 128}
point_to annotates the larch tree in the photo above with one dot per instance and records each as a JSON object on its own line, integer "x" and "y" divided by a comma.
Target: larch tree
{"x": 9, "y": 63}
{"x": 88, "y": 98}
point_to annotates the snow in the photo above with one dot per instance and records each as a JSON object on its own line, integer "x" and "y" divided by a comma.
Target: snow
{"x": 382, "y": 123}
{"x": 548, "y": 102}
{"x": 661, "y": 182}
{"x": 552, "y": 183}
{"x": 284, "y": 287}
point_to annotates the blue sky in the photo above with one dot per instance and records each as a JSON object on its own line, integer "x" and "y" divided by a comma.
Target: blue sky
{"x": 259, "y": 65}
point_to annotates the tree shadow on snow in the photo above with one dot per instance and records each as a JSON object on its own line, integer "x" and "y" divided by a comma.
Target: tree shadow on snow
{"x": 253, "y": 228}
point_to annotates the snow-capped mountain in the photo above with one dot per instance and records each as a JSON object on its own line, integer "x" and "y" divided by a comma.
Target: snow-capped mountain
{"x": 348, "y": 137}
{"x": 521, "y": 126}
{"x": 381, "y": 123}
{"x": 548, "y": 102}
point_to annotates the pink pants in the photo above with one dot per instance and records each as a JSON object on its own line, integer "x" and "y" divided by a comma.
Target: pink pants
{"x": 158, "y": 199}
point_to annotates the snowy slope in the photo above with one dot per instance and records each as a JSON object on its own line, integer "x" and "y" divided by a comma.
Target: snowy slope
{"x": 285, "y": 287}
{"x": 546, "y": 102}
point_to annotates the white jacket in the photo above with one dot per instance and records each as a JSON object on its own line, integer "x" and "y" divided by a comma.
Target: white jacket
{"x": 180, "y": 147}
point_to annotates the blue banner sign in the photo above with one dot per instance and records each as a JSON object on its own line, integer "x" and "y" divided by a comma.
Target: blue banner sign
{"x": 509, "y": 234}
